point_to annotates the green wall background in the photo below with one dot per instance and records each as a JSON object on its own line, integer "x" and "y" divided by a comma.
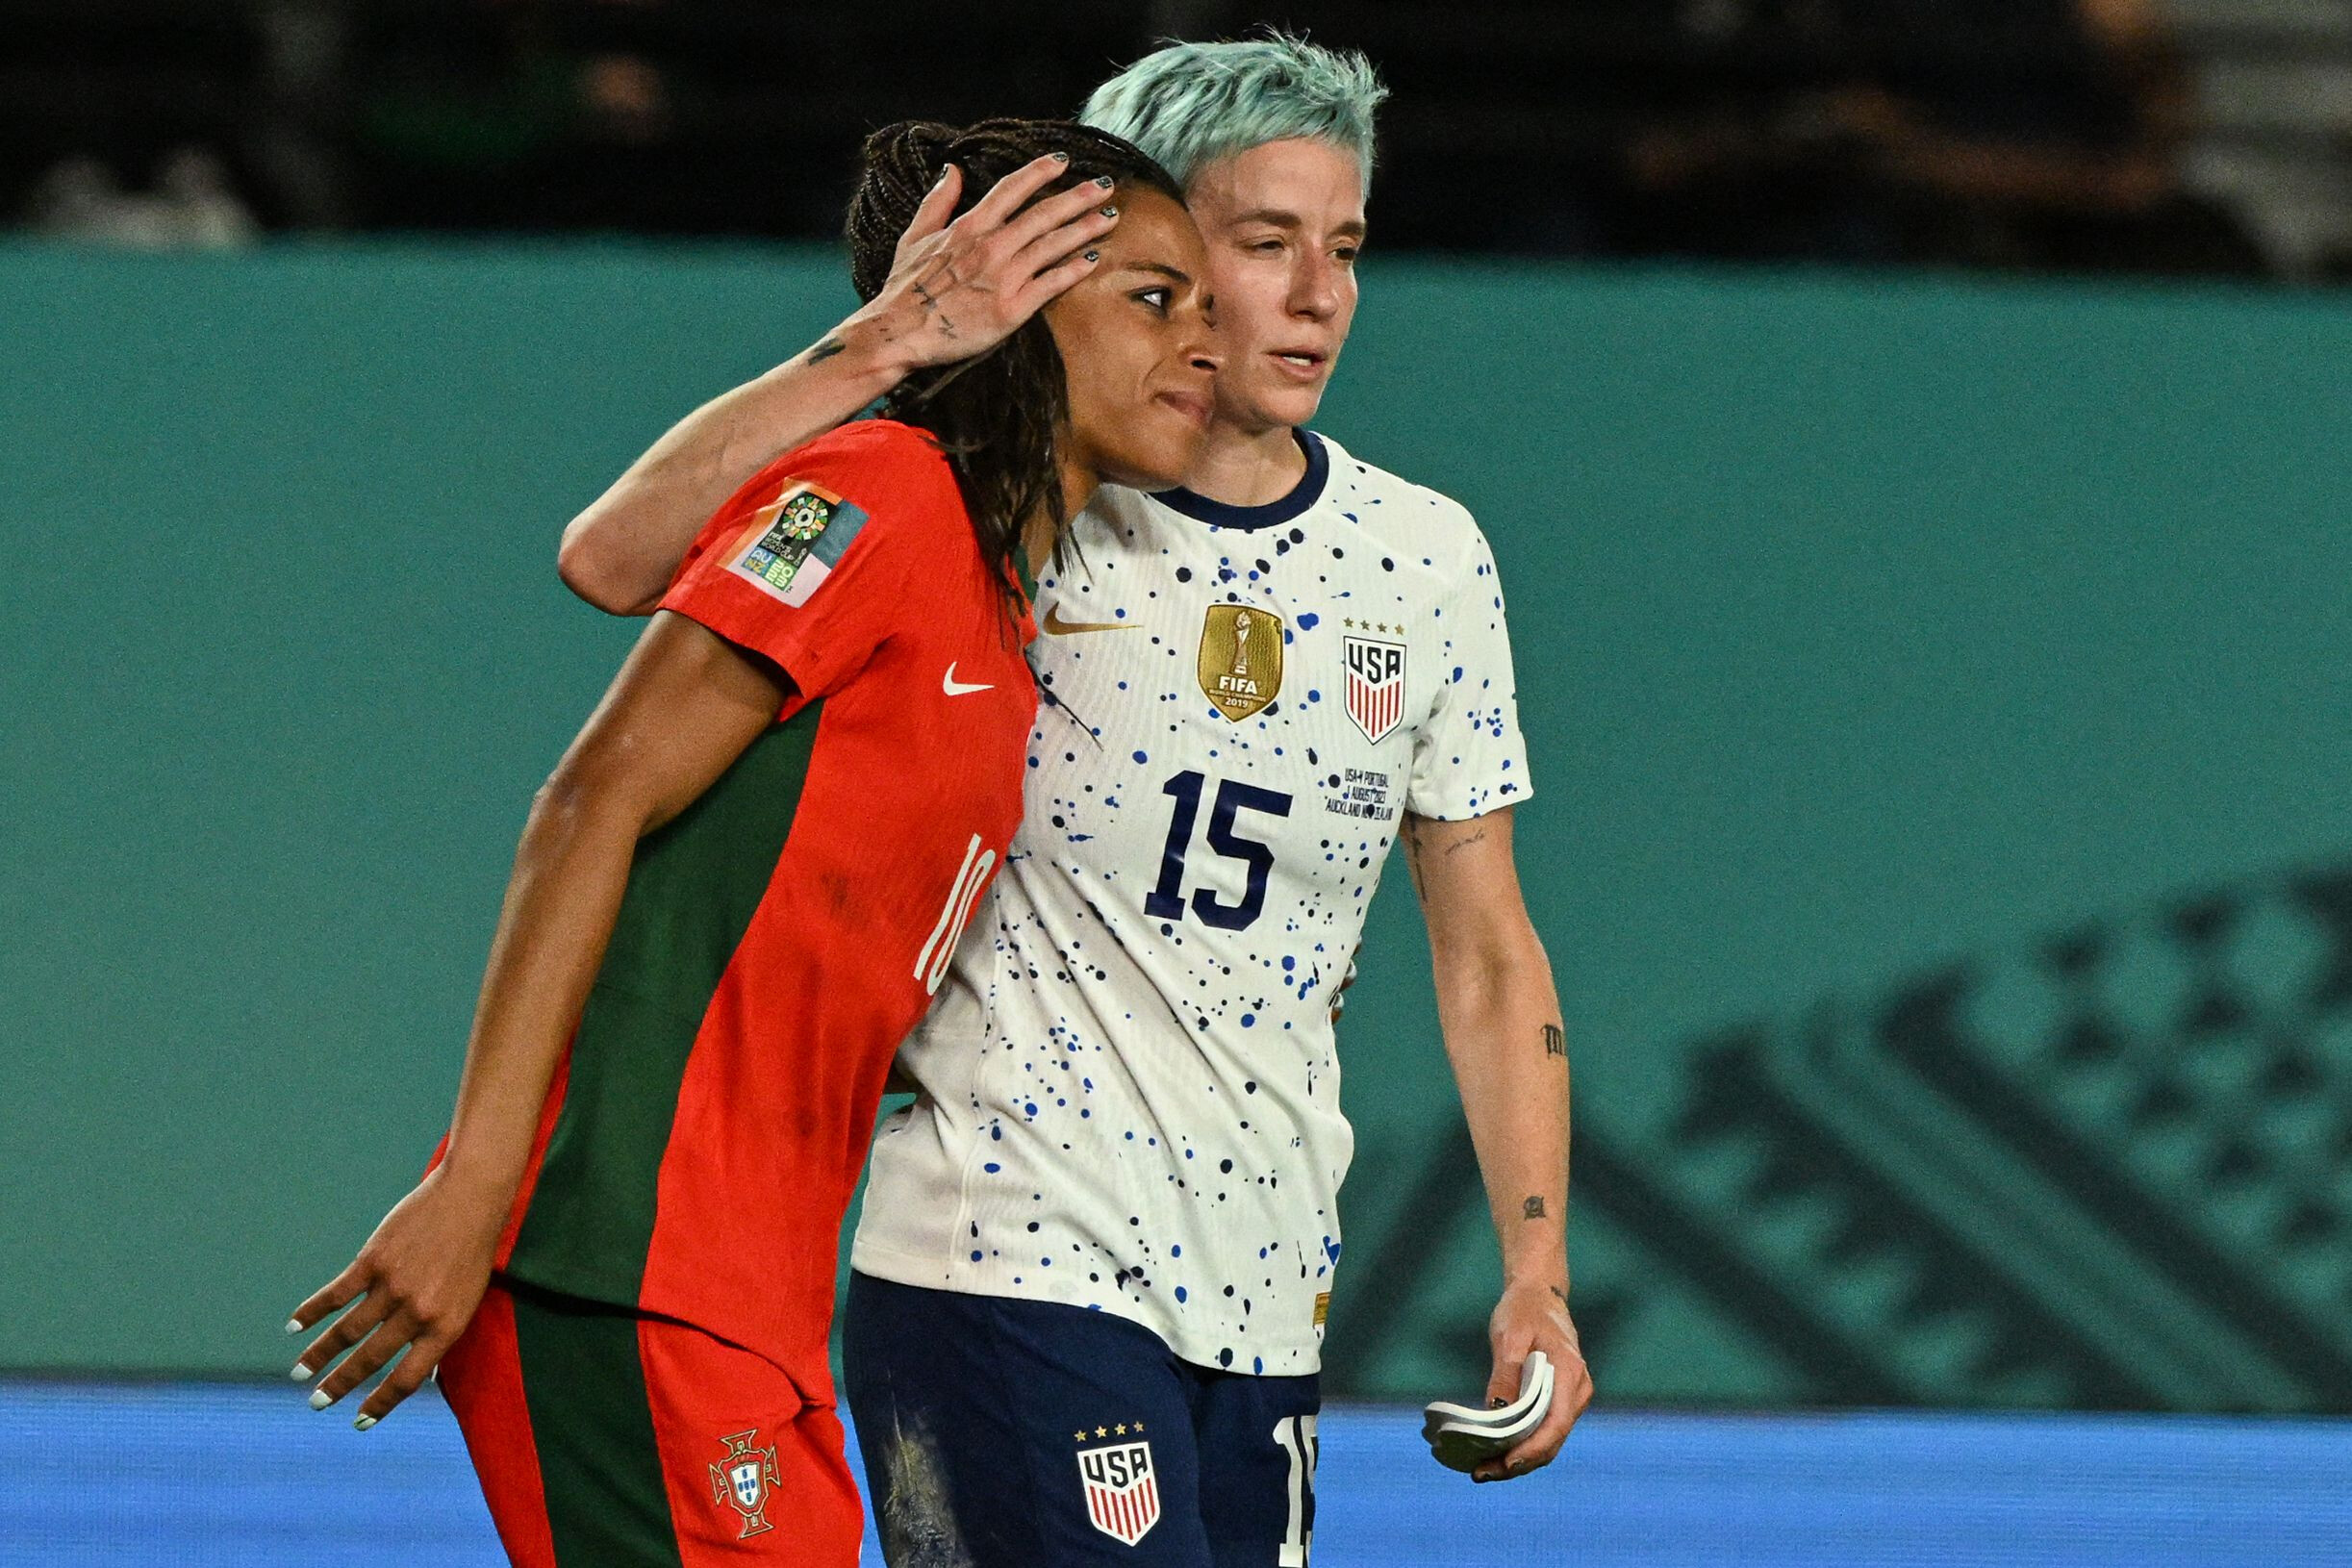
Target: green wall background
{"x": 1870, "y": 632}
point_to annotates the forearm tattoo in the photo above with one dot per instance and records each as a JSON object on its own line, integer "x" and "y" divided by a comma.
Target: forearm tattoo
{"x": 1531, "y": 1209}
{"x": 824, "y": 350}
{"x": 1555, "y": 1043}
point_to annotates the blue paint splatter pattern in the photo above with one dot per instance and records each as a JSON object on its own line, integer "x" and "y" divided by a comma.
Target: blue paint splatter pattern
{"x": 1130, "y": 1081}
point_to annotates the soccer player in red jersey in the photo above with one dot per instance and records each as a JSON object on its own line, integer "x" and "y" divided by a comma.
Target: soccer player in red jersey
{"x": 735, "y": 895}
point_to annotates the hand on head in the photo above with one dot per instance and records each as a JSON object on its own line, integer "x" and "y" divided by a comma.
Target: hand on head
{"x": 960, "y": 285}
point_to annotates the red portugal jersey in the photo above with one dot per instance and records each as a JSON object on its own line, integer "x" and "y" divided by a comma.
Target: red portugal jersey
{"x": 779, "y": 937}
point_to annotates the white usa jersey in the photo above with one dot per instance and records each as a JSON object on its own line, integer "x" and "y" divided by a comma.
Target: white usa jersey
{"x": 1131, "y": 1092}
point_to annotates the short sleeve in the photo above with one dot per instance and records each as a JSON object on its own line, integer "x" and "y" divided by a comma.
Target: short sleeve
{"x": 1469, "y": 757}
{"x": 810, "y": 564}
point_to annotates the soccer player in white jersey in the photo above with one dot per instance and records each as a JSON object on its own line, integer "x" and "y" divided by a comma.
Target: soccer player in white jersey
{"x": 1097, "y": 1250}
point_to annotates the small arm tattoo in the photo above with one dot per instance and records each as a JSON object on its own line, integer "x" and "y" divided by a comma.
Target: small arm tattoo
{"x": 1555, "y": 1043}
{"x": 1531, "y": 1209}
{"x": 824, "y": 351}
{"x": 1460, "y": 844}
{"x": 1412, "y": 855}
{"x": 1562, "y": 1294}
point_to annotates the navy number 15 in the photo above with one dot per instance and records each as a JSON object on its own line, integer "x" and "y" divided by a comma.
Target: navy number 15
{"x": 1165, "y": 901}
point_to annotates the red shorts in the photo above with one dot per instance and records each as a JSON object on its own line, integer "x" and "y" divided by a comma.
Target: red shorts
{"x": 608, "y": 1439}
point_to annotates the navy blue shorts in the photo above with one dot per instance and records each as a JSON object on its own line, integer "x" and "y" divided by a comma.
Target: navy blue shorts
{"x": 1006, "y": 1433}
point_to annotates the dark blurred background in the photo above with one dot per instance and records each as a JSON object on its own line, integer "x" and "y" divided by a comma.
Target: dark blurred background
{"x": 2176, "y": 138}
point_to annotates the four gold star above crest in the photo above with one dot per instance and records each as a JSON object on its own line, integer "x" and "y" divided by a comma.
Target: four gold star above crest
{"x": 1122, "y": 1430}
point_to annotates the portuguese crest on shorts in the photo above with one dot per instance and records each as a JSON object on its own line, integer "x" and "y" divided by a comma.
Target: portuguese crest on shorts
{"x": 1123, "y": 1491}
{"x": 1376, "y": 678}
{"x": 744, "y": 1480}
{"x": 1241, "y": 658}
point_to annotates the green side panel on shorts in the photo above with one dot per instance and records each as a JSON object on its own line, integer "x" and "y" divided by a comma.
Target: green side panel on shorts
{"x": 692, "y": 892}
{"x": 592, "y": 1422}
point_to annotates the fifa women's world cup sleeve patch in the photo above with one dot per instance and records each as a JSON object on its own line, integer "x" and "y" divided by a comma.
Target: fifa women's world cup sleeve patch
{"x": 762, "y": 574}
{"x": 794, "y": 543}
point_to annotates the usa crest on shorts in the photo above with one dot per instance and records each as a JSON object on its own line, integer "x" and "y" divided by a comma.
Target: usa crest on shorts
{"x": 1123, "y": 1493}
{"x": 1375, "y": 683}
{"x": 744, "y": 1480}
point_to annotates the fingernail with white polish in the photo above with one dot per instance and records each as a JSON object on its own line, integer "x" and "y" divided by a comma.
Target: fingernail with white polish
{"x": 320, "y": 1398}
{"x": 302, "y": 1373}
{"x": 363, "y": 1423}
{"x": 293, "y": 1326}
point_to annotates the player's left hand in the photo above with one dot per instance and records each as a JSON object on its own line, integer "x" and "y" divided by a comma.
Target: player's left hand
{"x": 960, "y": 285}
{"x": 1534, "y": 1317}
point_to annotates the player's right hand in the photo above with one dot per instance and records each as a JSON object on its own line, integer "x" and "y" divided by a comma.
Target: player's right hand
{"x": 417, "y": 1283}
{"x": 958, "y": 288}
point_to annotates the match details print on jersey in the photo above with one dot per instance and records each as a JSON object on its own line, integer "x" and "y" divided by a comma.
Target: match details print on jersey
{"x": 1132, "y": 1087}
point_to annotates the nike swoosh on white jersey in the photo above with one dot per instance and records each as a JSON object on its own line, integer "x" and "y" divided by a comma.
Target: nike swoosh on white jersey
{"x": 1056, "y": 626}
{"x": 957, "y": 688}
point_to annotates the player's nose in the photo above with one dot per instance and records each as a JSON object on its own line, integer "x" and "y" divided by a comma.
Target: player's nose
{"x": 1203, "y": 350}
{"x": 1314, "y": 289}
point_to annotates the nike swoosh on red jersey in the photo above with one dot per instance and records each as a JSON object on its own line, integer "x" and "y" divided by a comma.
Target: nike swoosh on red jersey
{"x": 957, "y": 688}
{"x": 1058, "y": 627}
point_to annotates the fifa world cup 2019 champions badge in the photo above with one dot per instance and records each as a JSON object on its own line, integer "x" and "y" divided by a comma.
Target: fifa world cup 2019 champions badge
{"x": 1123, "y": 1491}
{"x": 1241, "y": 658}
{"x": 744, "y": 1480}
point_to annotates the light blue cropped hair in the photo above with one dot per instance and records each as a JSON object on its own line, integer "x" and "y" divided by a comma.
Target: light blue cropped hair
{"x": 1190, "y": 104}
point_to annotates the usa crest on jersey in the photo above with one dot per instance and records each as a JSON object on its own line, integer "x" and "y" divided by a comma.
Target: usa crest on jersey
{"x": 1123, "y": 1493}
{"x": 1376, "y": 685}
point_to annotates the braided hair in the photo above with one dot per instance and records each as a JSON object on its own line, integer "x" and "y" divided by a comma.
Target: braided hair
{"x": 996, "y": 416}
